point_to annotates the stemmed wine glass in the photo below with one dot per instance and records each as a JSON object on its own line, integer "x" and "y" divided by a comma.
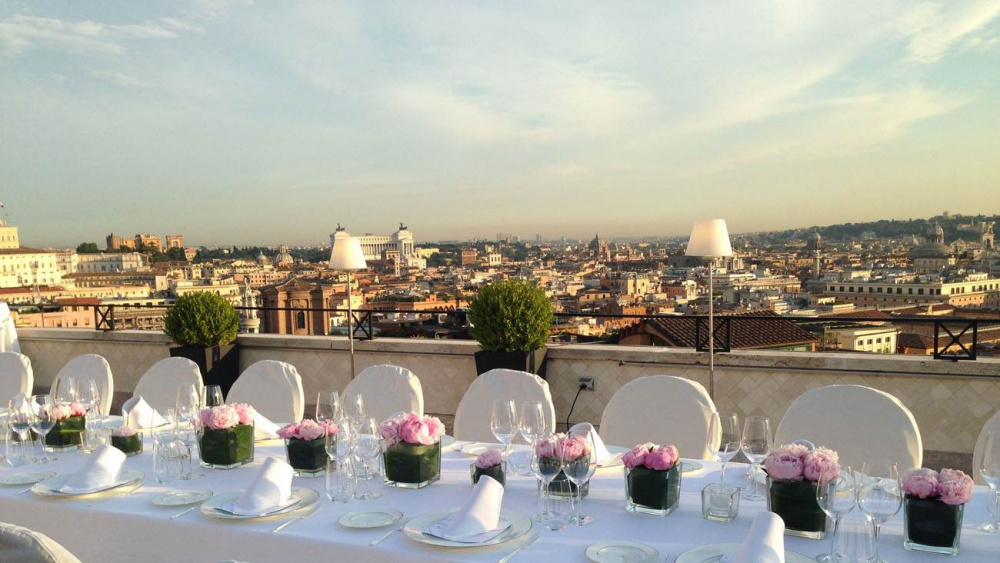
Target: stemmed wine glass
{"x": 581, "y": 469}
{"x": 531, "y": 425}
{"x": 503, "y": 423}
{"x": 212, "y": 396}
{"x": 546, "y": 466}
{"x": 757, "y": 442}
{"x": 64, "y": 390}
{"x": 836, "y": 498}
{"x": 42, "y": 421}
{"x": 19, "y": 419}
{"x": 879, "y": 496}
{"x": 88, "y": 394}
{"x": 989, "y": 470}
{"x": 327, "y": 406}
{"x": 367, "y": 447}
{"x": 186, "y": 417}
{"x": 725, "y": 425}
{"x": 354, "y": 408}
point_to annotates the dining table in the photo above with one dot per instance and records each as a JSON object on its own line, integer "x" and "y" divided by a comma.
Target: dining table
{"x": 127, "y": 526}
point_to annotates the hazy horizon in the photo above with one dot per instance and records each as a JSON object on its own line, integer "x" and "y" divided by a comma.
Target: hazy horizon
{"x": 234, "y": 123}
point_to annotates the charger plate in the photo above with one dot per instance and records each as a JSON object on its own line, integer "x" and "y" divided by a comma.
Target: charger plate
{"x": 50, "y": 487}
{"x": 414, "y": 529}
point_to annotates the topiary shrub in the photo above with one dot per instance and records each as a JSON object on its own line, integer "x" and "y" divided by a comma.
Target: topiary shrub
{"x": 203, "y": 319}
{"x": 511, "y": 316}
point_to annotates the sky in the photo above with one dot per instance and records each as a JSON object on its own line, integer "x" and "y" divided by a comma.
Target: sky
{"x": 262, "y": 123}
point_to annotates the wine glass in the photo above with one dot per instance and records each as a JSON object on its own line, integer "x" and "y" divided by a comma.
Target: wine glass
{"x": 836, "y": 498}
{"x": 546, "y": 463}
{"x": 879, "y": 496}
{"x": 338, "y": 446}
{"x": 65, "y": 390}
{"x": 757, "y": 442}
{"x": 503, "y": 423}
{"x": 327, "y": 405}
{"x": 367, "y": 447}
{"x": 726, "y": 425}
{"x": 531, "y": 423}
{"x": 88, "y": 394}
{"x": 579, "y": 470}
{"x": 42, "y": 421}
{"x": 212, "y": 396}
{"x": 19, "y": 419}
{"x": 989, "y": 471}
{"x": 186, "y": 415}
{"x": 354, "y": 408}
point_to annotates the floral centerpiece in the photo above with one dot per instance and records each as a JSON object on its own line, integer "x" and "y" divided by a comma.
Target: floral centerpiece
{"x": 412, "y": 454}
{"x": 225, "y": 436}
{"x": 490, "y": 463}
{"x": 70, "y": 423}
{"x": 933, "y": 504}
{"x": 305, "y": 445}
{"x": 793, "y": 473}
{"x": 652, "y": 479}
{"x": 573, "y": 449}
{"x": 127, "y": 439}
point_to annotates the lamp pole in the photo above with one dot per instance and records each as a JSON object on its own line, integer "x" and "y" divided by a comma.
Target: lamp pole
{"x": 350, "y": 319}
{"x": 711, "y": 332}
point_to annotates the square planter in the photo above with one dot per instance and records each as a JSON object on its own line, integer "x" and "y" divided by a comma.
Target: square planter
{"x": 66, "y": 434}
{"x": 129, "y": 445}
{"x": 531, "y": 362}
{"x": 307, "y": 457}
{"x": 226, "y": 449}
{"x": 219, "y": 365}
{"x": 652, "y": 491}
{"x": 931, "y": 525}
{"x": 411, "y": 466}
{"x": 795, "y": 502}
{"x": 497, "y": 472}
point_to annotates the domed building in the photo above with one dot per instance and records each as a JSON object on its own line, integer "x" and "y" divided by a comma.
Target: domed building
{"x": 599, "y": 248}
{"x": 932, "y": 256}
{"x": 283, "y": 258}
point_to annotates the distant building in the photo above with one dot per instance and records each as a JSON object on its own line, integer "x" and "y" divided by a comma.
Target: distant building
{"x": 175, "y": 241}
{"x": 249, "y": 321}
{"x": 22, "y": 266}
{"x": 970, "y": 292}
{"x": 494, "y": 259}
{"x": 779, "y": 334}
{"x": 470, "y": 257}
{"x": 111, "y": 262}
{"x": 117, "y": 242}
{"x": 295, "y": 296}
{"x": 933, "y": 256}
{"x": 143, "y": 240}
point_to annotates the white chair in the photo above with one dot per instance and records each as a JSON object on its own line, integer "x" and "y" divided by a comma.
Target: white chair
{"x": 8, "y": 332}
{"x": 16, "y": 376}
{"x": 273, "y": 388}
{"x": 387, "y": 390}
{"x": 90, "y": 367}
{"x": 472, "y": 420}
{"x": 859, "y": 423}
{"x": 158, "y": 386}
{"x": 977, "y": 454}
{"x": 24, "y": 545}
{"x": 662, "y": 409}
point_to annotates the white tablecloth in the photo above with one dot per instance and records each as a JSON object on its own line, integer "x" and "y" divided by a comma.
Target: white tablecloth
{"x": 131, "y": 528}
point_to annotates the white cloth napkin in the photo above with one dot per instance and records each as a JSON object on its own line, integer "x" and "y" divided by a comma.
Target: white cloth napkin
{"x": 764, "y": 544}
{"x": 270, "y": 490}
{"x": 603, "y": 455}
{"x": 264, "y": 429}
{"x": 101, "y": 469}
{"x": 139, "y": 414}
{"x": 478, "y": 519}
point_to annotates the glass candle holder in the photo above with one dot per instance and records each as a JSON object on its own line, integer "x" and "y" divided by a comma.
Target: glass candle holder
{"x": 720, "y": 502}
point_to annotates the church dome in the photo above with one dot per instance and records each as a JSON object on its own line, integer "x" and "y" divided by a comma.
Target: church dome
{"x": 930, "y": 250}
{"x": 597, "y": 243}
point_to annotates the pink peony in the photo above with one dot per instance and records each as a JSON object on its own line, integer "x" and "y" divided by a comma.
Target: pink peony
{"x": 573, "y": 448}
{"x": 124, "y": 432}
{"x": 60, "y": 412}
{"x": 206, "y": 416}
{"x": 546, "y": 447}
{"x": 784, "y": 465}
{"x": 794, "y": 450}
{"x": 76, "y": 409}
{"x": 413, "y": 430}
{"x": 489, "y": 458}
{"x": 245, "y": 412}
{"x": 330, "y": 428}
{"x": 435, "y": 427}
{"x": 954, "y": 486}
{"x": 309, "y": 430}
{"x": 389, "y": 430}
{"x": 636, "y": 457}
{"x": 223, "y": 417}
{"x": 821, "y": 465}
{"x": 921, "y": 483}
{"x": 661, "y": 459}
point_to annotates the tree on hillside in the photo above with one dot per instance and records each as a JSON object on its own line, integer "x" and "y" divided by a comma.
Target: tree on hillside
{"x": 87, "y": 248}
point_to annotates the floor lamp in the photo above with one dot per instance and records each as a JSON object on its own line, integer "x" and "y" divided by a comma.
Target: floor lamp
{"x": 710, "y": 240}
{"x": 347, "y": 256}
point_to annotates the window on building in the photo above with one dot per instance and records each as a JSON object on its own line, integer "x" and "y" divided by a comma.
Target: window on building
{"x": 300, "y": 320}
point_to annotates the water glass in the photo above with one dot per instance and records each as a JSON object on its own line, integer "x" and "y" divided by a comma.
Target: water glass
{"x": 42, "y": 421}
{"x": 95, "y": 436}
{"x": 212, "y": 396}
{"x": 519, "y": 459}
{"x": 340, "y": 482}
{"x": 338, "y": 446}
{"x": 367, "y": 447}
{"x": 879, "y": 496}
{"x": 168, "y": 460}
{"x": 727, "y": 427}
{"x": 836, "y": 498}
{"x": 327, "y": 406}
{"x": 19, "y": 420}
{"x": 557, "y": 505}
{"x": 14, "y": 451}
{"x": 853, "y": 544}
{"x": 756, "y": 444}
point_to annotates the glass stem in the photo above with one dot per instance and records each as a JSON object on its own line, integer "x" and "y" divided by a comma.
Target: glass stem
{"x": 833, "y": 540}
{"x": 875, "y": 557}
{"x": 723, "y": 478}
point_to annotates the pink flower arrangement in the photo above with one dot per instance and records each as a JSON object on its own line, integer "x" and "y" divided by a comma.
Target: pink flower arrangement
{"x": 489, "y": 458}
{"x": 571, "y": 448}
{"x": 222, "y": 417}
{"x": 308, "y": 430}
{"x": 412, "y": 429}
{"x": 796, "y": 462}
{"x": 950, "y": 486}
{"x": 67, "y": 410}
{"x": 124, "y": 432}
{"x": 652, "y": 456}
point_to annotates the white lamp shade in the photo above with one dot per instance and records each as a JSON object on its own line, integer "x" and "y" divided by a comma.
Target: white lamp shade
{"x": 347, "y": 254}
{"x": 709, "y": 237}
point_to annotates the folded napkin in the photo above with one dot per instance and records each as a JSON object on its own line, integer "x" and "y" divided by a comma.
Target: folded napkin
{"x": 478, "y": 519}
{"x": 264, "y": 429}
{"x": 270, "y": 490}
{"x": 764, "y": 544}
{"x": 101, "y": 469}
{"x": 139, "y": 414}
{"x": 603, "y": 455}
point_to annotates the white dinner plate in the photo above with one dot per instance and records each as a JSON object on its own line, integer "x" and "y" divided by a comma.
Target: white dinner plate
{"x": 212, "y": 507}
{"x": 619, "y": 551}
{"x": 370, "y": 518}
{"x": 414, "y": 529}
{"x": 476, "y": 448}
{"x": 447, "y": 443}
{"x": 689, "y": 465}
{"x": 50, "y": 487}
{"x": 713, "y": 553}
{"x": 182, "y": 498}
{"x": 22, "y": 479}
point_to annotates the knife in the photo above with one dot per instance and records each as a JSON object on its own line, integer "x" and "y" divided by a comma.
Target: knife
{"x": 531, "y": 542}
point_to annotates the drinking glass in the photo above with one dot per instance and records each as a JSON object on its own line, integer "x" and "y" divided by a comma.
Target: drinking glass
{"x": 503, "y": 424}
{"x": 580, "y": 471}
{"x": 340, "y": 483}
{"x": 879, "y": 496}
{"x": 557, "y": 506}
{"x": 545, "y": 469}
{"x": 186, "y": 431}
{"x": 16, "y": 453}
{"x": 367, "y": 447}
{"x": 854, "y": 542}
{"x": 757, "y": 442}
{"x": 836, "y": 498}
{"x": 989, "y": 470}
{"x": 168, "y": 460}
{"x": 65, "y": 390}
{"x": 531, "y": 423}
{"x": 188, "y": 400}
{"x": 212, "y": 396}
{"x": 327, "y": 405}
{"x": 338, "y": 447}
{"x": 726, "y": 425}
{"x": 354, "y": 408}
{"x": 41, "y": 422}
{"x": 88, "y": 394}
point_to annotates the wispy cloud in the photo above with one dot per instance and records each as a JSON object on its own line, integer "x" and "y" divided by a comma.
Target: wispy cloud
{"x": 22, "y": 33}
{"x": 935, "y": 29}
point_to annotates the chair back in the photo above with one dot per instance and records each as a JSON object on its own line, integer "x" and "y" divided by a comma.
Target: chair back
{"x": 273, "y": 388}
{"x": 858, "y": 422}
{"x": 8, "y": 332}
{"x": 90, "y": 367}
{"x": 22, "y": 544}
{"x": 387, "y": 390}
{"x": 158, "y": 386}
{"x": 16, "y": 376}
{"x": 662, "y": 409}
{"x": 472, "y": 420}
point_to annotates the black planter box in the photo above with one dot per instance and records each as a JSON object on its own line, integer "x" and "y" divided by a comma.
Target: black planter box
{"x": 496, "y": 472}
{"x": 411, "y": 466}
{"x": 531, "y": 362}
{"x": 219, "y": 365}
{"x": 129, "y": 445}
{"x": 227, "y": 448}
{"x": 653, "y": 491}
{"x": 931, "y": 525}
{"x": 795, "y": 502}
{"x": 66, "y": 433}
{"x": 307, "y": 456}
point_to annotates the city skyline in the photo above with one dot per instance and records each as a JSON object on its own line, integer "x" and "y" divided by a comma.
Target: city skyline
{"x": 270, "y": 124}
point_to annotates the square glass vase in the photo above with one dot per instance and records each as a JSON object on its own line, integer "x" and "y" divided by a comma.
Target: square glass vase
{"x": 931, "y": 525}
{"x": 226, "y": 448}
{"x": 498, "y": 472}
{"x": 555, "y": 487}
{"x": 795, "y": 502}
{"x": 129, "y": 445}
{"x": 652, "y": 491}
{"x": 411, "y": 466}
{"x": 307, "y": 457}
{"x": 66, "y": 434}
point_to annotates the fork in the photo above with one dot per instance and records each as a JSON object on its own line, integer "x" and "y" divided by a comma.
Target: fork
{"x": 390, "y": 532}
{"x": 284, "y": 525}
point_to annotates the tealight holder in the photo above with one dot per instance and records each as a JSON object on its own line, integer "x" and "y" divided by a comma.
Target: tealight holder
{"x": 720, "y": 502}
